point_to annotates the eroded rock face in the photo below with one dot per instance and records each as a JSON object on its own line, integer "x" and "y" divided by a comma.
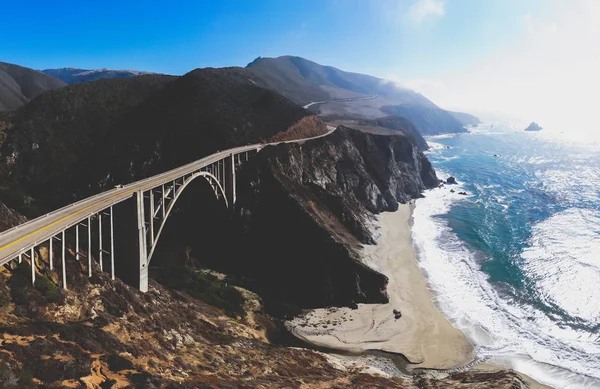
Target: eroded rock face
{"x": 305, "y": 209}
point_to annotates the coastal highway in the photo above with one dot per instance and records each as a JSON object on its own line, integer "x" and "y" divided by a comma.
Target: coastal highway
{"x": 24, "y": 236}
{"x": 340, "y": 100}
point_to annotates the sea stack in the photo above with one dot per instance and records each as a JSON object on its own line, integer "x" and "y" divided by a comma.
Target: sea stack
{"x": 533, "y": 127}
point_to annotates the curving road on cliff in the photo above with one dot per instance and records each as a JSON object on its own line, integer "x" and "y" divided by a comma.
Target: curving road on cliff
{"x": 18, "y": 239}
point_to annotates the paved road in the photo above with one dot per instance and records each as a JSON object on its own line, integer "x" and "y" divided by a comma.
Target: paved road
{"x": 370, "y": 97}
{"x": 22, "y": 237}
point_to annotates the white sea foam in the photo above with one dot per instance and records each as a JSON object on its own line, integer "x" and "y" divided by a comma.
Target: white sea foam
{"x": 516, "y": 334}
{"x": 564, "y": 263}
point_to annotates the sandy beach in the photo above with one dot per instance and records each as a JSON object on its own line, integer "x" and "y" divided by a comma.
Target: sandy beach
{"x": 422, "y": 334}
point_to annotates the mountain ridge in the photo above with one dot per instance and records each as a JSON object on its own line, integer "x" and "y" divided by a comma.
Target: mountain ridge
{"x": 19, "y": 85}
{"x": 305, "y": 82}
{"x": 73, "y": 76}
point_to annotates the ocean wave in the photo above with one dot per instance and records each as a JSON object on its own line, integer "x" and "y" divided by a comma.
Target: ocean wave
{"x": 498, "y": 324}
{"x": 562, "y": 259}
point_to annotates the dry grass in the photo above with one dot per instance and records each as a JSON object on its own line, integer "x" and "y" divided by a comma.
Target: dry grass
{"x": 306, "y": 127}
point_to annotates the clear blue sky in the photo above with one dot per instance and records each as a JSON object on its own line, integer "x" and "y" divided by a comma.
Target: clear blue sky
{"x": 408, "y": 39}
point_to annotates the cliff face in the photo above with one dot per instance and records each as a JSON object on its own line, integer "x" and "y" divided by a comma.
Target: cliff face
{"x": 305, "y": 209}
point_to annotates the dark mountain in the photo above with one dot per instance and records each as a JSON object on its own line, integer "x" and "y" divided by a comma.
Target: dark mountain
{"x": 76, "y": 76}
{"x": 83, "y": 138}
{"x": 304, "y": 81}
{"x": 19, "y": 85}
{"x": 465, "y": 119}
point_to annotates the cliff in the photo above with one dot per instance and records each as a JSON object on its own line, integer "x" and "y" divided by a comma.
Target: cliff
{"x": 304, "y": 210}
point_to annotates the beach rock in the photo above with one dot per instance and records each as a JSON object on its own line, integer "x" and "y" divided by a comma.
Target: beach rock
{"x": 462, "y": 193}
{"x": 452, "y": 190}
{"x": 451, "y": 180}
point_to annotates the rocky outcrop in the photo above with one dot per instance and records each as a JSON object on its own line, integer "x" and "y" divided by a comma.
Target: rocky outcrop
{"x": 104, "y": 334}
{"x": 305, "y": 209}
{"x": 533, "y": 127}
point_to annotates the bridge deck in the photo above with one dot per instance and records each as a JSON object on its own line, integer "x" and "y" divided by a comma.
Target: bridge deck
{"x": 20, "y": 238}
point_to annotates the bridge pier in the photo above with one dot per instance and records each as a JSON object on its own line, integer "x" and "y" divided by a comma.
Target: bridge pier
{"x": 143, "y": 252}
{"x": 229, "y": 169}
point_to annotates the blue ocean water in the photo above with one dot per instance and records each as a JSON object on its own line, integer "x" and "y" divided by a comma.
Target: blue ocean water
{"x": 516, "y": 263}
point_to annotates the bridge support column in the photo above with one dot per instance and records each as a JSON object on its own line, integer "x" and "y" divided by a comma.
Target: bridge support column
{"x": 229, "y": 168}
{"x": 143, "y": 252}
{"x": 112, "y": 246}
{"x": 100, "y": 241}
{"x": 32, "y": 254}
{"x": 64, "y": 268}
{"x": 50, "y": 253}
{"x": 77, "y": 241}
{"x": 89, "y": 253}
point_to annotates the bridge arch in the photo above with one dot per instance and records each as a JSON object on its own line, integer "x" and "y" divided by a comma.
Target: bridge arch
{"x": 212, "y": 180}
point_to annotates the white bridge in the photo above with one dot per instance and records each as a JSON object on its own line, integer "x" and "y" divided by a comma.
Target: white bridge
{"x": 143, "y": 208}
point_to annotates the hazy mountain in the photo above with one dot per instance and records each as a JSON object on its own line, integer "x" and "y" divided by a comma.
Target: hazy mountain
{"x": 76, "y": 76}
{"x": 19, "y": 84}
{"x": 304, "y": 81}
{"x": 465, "y": 119}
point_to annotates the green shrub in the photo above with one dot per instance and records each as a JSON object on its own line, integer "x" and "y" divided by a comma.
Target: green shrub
{"x": 47, "y": 288}
{"x": 215, "y": 292}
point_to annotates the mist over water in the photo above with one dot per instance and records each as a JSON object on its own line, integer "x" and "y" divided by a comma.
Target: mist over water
{"x": 516, "y": 263}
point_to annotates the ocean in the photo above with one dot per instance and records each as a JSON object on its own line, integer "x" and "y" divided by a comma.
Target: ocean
{"x": 515, "y": 264}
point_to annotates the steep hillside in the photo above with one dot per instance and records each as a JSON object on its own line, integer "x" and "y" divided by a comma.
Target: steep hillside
{"x": 305, "y": 81}
{"x": 19, "y": 85}
{"x": 76, "y": 76}
{"x": 104, "y": 334}
{"x": 86, "y": 137}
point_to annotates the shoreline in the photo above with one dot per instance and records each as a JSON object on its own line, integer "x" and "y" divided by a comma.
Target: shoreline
{"x": 422, "y": 334}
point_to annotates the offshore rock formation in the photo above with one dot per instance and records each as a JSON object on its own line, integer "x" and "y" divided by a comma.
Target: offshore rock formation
{"x": 306, "y": 209}
{"x": 533, "y": 127}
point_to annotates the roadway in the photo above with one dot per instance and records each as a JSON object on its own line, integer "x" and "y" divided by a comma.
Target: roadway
{"x": 34, "y": 232}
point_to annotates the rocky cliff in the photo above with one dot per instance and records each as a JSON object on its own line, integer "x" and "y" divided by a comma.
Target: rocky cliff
{"x": 305, "y": 209}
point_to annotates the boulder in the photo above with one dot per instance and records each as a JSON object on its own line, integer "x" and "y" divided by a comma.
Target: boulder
{"x": 451, "y": 180}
